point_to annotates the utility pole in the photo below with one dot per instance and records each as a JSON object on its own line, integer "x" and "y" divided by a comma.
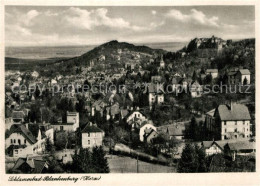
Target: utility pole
{"x": 137, "y": 165}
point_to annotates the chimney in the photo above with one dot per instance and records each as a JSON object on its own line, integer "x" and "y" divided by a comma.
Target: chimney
{"x": 132, "y": 108}
{"x": 137, "y": 108}
{"x": 231, "y": 104}
{"x": 90, "y": 123}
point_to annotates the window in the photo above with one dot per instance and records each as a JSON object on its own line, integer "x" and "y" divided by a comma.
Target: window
{"x": 16, "y": 151}
{"x": 14, "y": 141}
{"x": 225, "y": 130}
{"x": 88, "y": 134}
{"x": 89, "y": 142}
{"x": 24, "y": 141}
{"x": 225, "y": 123}
{"x": 61, "y": 128}
{"x": 235, "y": 130}
{"x": 235, "y": 122}
{"x": 11, "y": 141}
{"x": 235, "y": 136}
{"x": 19, "y": 141}
{"x": 243, "y": 122}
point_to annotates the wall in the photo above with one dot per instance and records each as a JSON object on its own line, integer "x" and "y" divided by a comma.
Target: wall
{"x": 95, "y": 139}
{"x": 230, "y": 126}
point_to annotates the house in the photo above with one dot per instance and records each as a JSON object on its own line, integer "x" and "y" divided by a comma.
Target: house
{"x": 156, "y": 79}
{"x": 209, "y": 119}
{"x": 92, "y": 136}
{"x": 231, "y": 121}
{"x": 98, "y": 106}
{"x": 176, "y": 131}
{"x": 156, "y": 94}
{"x": 135, "y": 114}
{"x": 196, "y": 89}
{"x": 21, "y": 142}
{"x": 30, "y": 165}
{"x": 162, "y": 63}
{"x": 71, "y": 125}
{"x": 112, "y": 111}
{"x": 243, "y": 77}
{"x": 212, "y": 72}
{"x": 18, "y": 117}
{"x": 211, "y": 147}
{"x": 239, "y": 76}
{"x": 149, "y": 135}
{"x": 243, "y": 148}
{"x": 144, "y": 130}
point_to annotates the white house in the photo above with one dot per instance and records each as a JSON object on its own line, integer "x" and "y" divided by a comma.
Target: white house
{"x": 147, "y": 125}
{"x": 231, "y": 121}
{"x": 212, "y": 72}
{"x": 156, "y": 94}
{"x": 135, "y": 114}
{"x": 21, "y": 142}
{"x": 71, "y": 125}
{"x": 196, "y": 89}
{"x": 92, "y": 136}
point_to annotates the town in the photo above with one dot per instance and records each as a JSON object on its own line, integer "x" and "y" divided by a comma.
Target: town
{"x": 121, "y": 108}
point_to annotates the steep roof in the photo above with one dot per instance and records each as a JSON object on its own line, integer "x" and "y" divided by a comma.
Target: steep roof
{"x": 91, "y": 128}
{"x": 23, "y": 131}
{"x": 244, "y": 71}
{"x": 235, "y": 112}
{"x": 211, "y": 112}
{"x": 36, "y": 165}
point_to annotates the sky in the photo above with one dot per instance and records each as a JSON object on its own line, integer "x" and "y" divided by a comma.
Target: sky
{"x": 66, "y": 25}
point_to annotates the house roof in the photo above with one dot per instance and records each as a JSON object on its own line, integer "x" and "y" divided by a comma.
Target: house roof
{"x": 241, "y": 145}
{"x": 173, "y": 130}
{"x": 27, "y": 134}
{"x": 18, "y": 115}
{"x": 36, "y": 165}
{"x": 154, "y": 88}
{"x": 212, "y": 71}
{"x": 232, "y": 73}
{"x": 244, "y": 71}
{"x": 211, "y": 112}
{"x": 237, "y": 112}
{"x": 91, "y": 128}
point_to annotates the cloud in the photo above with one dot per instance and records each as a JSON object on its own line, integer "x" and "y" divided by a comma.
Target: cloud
{"x": 26, "y": 19}
{"x": 153, "y": 12}
{"x": 89, "y": 20}
{"x": 195, "y": 17}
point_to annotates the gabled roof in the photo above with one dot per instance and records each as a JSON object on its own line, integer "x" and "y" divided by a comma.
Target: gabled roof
{"x": 18, "y": 115}
{"x": 244, "y": 71}
{"x": 91, "y": 128}
{"x": 212, "y": 71}
{"x": 23, "y": 131}
{"x": 211, "y": 112}
{"x": 36, "y": 165}
{"x": 241, "y": 145}
{"x": 235, "y": 112}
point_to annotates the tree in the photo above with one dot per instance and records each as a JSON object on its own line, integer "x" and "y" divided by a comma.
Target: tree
{"x": 49, "y": 147}
{"x": 81, "y": 162}
{"x": 245, "y": 82}
{"x": 189, "y": 160}
{"x": 99, "y": 161}
{"x": 202, "y": 167}
{"x": 194, "y": 76}
{"x": 192, "y": 129}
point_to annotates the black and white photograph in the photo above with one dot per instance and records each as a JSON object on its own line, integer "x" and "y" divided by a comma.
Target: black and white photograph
{"x": 129, "y": 89}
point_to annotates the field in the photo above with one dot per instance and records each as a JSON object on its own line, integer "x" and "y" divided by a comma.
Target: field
{"x": 122, "y": 164}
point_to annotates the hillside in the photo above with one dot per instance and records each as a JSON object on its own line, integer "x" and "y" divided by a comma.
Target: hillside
{"x": 112, "y": 54}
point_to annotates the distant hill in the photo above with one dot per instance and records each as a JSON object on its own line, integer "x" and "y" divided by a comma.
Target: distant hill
{"x": 110, "y": 53}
